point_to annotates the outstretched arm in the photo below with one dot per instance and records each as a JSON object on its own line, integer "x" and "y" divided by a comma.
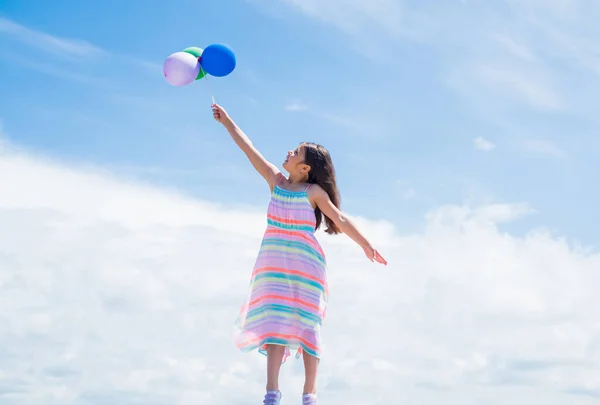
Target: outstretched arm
{"x": 266, "y": 169}
{"x": 322, "y": 200}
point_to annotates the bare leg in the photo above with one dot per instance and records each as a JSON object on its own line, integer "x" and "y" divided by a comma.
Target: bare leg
{"x": 274, "y": 358}
{"x": 311, "y": 364}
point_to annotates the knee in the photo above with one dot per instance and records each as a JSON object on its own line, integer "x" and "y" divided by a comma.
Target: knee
{"x": 275, "y": 348}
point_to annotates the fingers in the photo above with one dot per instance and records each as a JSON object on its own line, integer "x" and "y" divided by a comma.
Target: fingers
{"x": 218, "y": 112}
{"x": 379, "y": 258}
{"x": 374, "y": 256}
{"x": 216, "y": 109}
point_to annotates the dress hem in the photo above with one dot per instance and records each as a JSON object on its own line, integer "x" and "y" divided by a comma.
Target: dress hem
{"x": 299, "y": 348}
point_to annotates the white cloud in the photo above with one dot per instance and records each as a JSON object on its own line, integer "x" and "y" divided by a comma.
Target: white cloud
{"x": 121, "y": 293}
{"x": 542, "y": 147}
{"x": 335, "y": 118}
{"x": 515, "y": 48}
{"x": 406, "y": 190}
{"x": 483, "y": 144}
{"x": 49, "y": 43}
{"x": 517, "y": 85}
{"x": 409, "y": 193}
{"x": 344, "y": 121}
{"x": 497, "y": 213}
{"x": 69, "y": 50}
{"x": 353, "y": 16}
{"x": 533, "y": 54}
{"x": 295, "y": 106}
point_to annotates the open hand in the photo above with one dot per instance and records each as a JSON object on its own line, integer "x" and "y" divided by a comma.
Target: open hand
{"x": 219, "y": 114}
{"x": 374, "y": 255}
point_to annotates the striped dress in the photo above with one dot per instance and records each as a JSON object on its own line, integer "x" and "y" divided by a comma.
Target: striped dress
{"x": 287, "y": 295}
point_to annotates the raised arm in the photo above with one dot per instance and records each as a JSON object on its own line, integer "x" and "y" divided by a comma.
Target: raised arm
{"x": 266, "y": 169}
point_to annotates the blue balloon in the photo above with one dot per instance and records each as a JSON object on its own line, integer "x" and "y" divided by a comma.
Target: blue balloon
{"x": 218, "y": 60}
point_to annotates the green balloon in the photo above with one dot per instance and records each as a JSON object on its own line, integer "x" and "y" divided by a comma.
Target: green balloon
{"x": 197, "y": 52}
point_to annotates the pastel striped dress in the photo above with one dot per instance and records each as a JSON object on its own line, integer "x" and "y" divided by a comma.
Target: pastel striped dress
{"x": 287, "y": 295}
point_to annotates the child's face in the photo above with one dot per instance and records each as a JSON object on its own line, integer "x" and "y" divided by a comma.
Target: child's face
{"x": 294, "y": 160}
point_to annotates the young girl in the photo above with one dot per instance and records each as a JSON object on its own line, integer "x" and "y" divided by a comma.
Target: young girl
{"x": 288, "y": 289}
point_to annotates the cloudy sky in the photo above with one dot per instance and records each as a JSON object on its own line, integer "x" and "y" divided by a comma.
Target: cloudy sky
{"x": 465, "y": 136}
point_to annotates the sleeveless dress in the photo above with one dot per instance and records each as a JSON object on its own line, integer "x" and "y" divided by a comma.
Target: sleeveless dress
{"x": 287, "y": 296}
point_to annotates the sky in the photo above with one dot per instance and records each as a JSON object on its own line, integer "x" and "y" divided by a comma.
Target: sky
{"x": 465, "y": 139}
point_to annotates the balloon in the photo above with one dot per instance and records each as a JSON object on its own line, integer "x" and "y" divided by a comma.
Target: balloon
{"x": 181, "y": 68}
{"x": 218, "y": 60}
{"x": 197, "y": 52}
{"x": 194, "y": 50}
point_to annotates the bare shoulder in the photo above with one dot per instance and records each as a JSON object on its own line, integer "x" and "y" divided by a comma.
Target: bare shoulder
{"x": 278, "y": 176}
{"x": 275, "y": 179}
{"x": 316, "y": 192}
{"x": 318, "y": 196}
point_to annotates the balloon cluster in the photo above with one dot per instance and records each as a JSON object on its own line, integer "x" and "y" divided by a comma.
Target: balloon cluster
{"x": 182, "y": 68}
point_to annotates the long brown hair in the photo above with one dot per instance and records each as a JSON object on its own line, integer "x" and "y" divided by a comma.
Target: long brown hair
{"x": 322, "y": 173}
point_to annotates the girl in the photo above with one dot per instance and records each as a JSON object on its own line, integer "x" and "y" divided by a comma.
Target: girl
{"x": 288, "y": 290}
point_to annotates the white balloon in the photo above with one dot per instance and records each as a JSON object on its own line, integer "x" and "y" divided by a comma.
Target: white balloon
{"x": 181, "y": 68}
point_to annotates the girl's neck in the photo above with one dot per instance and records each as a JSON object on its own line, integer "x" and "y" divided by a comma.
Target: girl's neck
{"x": 296, "y": 180}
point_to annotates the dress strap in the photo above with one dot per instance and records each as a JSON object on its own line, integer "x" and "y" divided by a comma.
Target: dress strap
{"x": 307, "y": 187}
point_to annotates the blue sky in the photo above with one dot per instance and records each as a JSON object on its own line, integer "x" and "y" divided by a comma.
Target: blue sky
{"x": 398, "y": 94}
{"x": 465, "y": 136}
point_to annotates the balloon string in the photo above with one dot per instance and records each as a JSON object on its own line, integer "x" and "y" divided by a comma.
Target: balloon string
{"x": 209, "y": 86}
